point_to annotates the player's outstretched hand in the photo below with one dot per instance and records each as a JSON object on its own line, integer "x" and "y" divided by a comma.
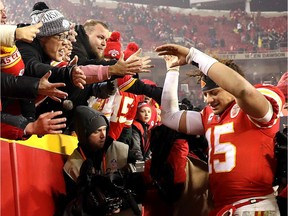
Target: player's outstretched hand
{"x": 173, "y": 49}
{"x": 170, "y": 61}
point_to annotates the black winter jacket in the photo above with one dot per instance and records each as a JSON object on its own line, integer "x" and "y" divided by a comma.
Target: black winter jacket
{"x": 12, "y": 126}
{"x": 18, "y": 86}
{"x": 37, "y": 63}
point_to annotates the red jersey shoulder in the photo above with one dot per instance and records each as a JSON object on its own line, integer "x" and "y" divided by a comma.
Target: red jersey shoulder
{"x": 274, "y": 95}
{"x": 272, "y": 92}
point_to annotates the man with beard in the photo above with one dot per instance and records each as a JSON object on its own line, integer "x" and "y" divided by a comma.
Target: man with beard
{"x": 90, "y": 45}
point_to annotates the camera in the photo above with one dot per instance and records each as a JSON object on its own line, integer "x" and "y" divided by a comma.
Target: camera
{"x": 137, "y": 167}
{"x": 109, "y": 193}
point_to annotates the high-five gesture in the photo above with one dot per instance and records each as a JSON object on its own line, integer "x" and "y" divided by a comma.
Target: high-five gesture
{"x": 131, "y": 66}
{"x": 173, "y": 49}
{"x": 145, "y": 61}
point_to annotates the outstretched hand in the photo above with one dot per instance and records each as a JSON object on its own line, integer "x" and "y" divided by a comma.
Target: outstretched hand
{"x": 50, "y": 89}
{"x": 28, "y": 33}
{"x": 144, "y": 61}
{"x": 131, "y": 66}
{"x": 47, "y": 123}
{"x": 173, "y": 49}
{"x": 78, "y": 77}
{"x": 73, "y": 61}
{"x": 145, "y": 64}
{"x": 170, "y": 61}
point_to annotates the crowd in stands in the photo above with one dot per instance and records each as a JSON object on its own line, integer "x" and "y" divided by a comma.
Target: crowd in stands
{"x": 150, "y": 26}
{"x": 82, "y": 78}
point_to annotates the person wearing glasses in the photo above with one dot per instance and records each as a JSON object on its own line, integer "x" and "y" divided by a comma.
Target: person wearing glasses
{"x": 17, "y": 90}
{"x": 49, "y": 45}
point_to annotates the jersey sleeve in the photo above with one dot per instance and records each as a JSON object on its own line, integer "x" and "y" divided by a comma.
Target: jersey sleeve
{"x": 276, "y": 98}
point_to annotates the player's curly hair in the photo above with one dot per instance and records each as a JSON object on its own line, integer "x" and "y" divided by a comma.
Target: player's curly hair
{"x": 228, "y": 62}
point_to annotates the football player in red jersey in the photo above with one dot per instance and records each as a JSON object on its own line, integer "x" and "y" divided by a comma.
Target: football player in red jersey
{"x": 240, "y": 122}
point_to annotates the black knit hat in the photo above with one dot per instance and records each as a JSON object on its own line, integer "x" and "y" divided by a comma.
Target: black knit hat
{"x": 207, "y": 83}
{"x": 87, "y": 121}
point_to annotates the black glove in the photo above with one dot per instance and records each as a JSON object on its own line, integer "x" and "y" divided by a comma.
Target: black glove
{"x": 104, "y": 89}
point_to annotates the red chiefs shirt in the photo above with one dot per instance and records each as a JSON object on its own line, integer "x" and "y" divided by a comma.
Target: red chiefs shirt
{"x": 124, "y": 107}
{"x": 124, "y": 111}
{"x": 241, "y": 152}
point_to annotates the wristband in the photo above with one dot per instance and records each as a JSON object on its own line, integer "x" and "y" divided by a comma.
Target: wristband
{"x": 203, "y": 60}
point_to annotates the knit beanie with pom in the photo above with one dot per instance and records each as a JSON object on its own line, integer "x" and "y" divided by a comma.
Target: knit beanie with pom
{"x": 113, "y": 47}
{"x": 130, "y": 50}
{"x": 53, "y": 21}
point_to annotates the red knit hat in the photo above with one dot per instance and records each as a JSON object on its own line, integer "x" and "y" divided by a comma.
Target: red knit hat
{"x": 130, "y": 50}
{"x": 113, "y": 47}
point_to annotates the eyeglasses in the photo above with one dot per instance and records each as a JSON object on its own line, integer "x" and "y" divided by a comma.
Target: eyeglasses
{"x": 61, "y": 37}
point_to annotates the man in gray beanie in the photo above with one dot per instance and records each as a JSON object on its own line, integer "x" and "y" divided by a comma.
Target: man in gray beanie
{"x": 49, "y": 45}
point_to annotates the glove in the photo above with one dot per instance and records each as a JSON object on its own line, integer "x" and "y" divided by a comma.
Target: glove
{"x": 104, "y": 89}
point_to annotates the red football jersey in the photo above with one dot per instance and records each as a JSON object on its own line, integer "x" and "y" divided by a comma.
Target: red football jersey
{"x": 241, "y": 151}
{"x": 124, "y": 107}
{"x": 124, "y": 111}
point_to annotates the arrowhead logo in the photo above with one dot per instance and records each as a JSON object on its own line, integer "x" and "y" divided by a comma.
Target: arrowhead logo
{"x": 202, "y": 83}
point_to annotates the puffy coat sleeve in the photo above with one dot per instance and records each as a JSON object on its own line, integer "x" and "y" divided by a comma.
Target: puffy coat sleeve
{"x": 7, "y": 35}
{"x": 37, "y": 63}
{"x": 138, "y": 87}
{"x": 19, "y": 86}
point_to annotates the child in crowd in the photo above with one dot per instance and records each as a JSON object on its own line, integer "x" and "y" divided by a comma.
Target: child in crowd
{"x": 140, "y": 149}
